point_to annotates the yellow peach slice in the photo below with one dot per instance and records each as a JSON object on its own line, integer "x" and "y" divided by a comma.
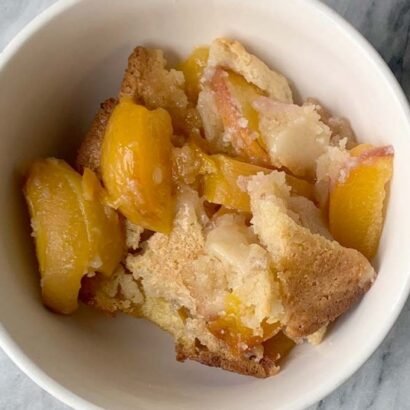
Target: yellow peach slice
{"x": 105, "y": 235}
{"x": 244, "y": 94}
{"x": 74, "y": 234}
{"x": 193, "y": 68}
{"x": 233, "y": 102}
{"x": 220, "y": 182}
{"x": 136, "y": 165}
{"x": 357, "y": 199}
{"x": 216, "y": 176}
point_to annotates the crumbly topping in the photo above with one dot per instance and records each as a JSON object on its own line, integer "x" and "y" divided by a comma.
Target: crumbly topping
{"x": 319, "y": 278}
{"x": 286, "y": 128}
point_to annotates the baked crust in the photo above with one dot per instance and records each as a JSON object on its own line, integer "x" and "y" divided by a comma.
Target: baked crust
{"x": 89, "y": 154}
{"x": 147, "y": 80}
{"x": 320, "y": 279}
{"x": 266, "y": 367}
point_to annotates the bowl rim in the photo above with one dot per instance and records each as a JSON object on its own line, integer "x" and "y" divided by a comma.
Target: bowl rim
{"x": 40, "y": 377}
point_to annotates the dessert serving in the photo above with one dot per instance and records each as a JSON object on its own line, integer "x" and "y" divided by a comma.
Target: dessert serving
{"x": 208, "y": 201}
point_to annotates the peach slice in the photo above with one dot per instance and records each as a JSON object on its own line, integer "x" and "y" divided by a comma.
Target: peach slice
{"x": 105, "y": 233}
{"x": 220, "y": 182}
{"x": 193, "y": 68}
{"x": 233, "y": 98}
{"x": 357, "y": 199}
{"x": 216, "y": 176}
{"x": 136, "y": 165}
{"x": 245, "y": 93}
{"x": 74, "y": 232}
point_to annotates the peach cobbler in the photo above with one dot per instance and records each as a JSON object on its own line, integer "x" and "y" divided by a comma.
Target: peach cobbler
{"x": 206, "y": 200}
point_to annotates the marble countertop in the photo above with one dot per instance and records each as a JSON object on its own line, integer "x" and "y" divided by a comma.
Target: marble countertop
{"x": 383, "y": 382}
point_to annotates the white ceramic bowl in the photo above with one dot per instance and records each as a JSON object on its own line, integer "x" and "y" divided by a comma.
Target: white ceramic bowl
{"x": 53, "y": 76}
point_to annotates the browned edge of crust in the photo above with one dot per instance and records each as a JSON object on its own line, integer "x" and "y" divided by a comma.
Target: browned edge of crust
{"x": 138, "y": 61}
{"x": 266, "y": 367}
{"x": 89, "y": 154}
{"x": 303, "y": 322}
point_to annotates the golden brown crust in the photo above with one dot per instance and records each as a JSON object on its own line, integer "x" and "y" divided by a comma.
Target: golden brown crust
{"x": 131, "y": 82}
{"x": 328, "y": 285}
{"x": 266, "y": 367}
{"x": 147, "y": 81}
{"x": 100, "y": 293}
{"x": 135, "y": 73}
{"x": 93, "y": 294}
{"x": 89, "y": 154}
{"x": 320, "y": 279}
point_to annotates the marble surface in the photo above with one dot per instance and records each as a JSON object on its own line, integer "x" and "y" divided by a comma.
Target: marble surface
{"x": 383, "y": 382}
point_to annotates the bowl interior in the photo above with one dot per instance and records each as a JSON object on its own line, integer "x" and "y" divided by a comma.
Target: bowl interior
{"x": 51, "y": 84}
